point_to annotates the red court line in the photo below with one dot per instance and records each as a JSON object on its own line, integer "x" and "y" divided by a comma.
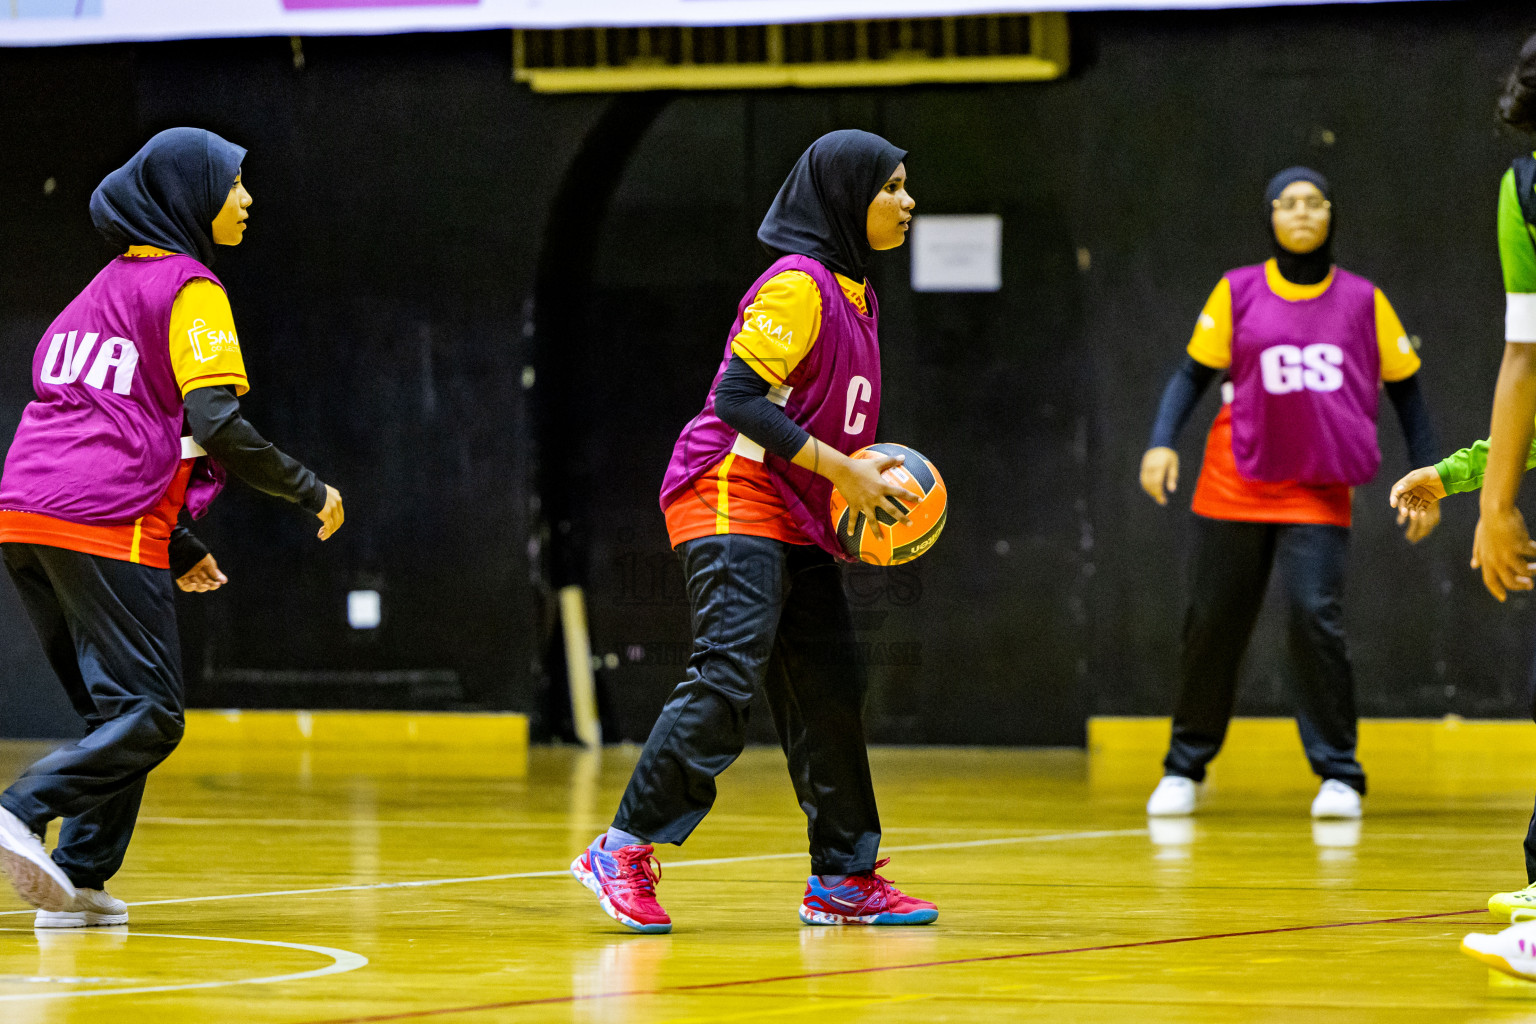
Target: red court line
{"x": 671, "y": 989}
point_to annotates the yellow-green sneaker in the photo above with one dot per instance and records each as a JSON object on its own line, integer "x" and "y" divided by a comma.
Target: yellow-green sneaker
{"x": 1502, "y": 905}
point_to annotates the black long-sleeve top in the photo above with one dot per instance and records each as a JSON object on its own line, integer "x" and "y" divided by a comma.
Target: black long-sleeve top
{"x": 214, "y": 420}
{"x": 741, "y": 402}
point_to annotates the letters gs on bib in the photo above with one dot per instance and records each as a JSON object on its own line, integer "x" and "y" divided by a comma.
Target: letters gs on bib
{"x": 66, "y": 360}
{"x": 1289, "y": 368}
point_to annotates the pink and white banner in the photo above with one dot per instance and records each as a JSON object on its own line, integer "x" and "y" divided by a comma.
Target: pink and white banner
{"x": 55, "y": 22}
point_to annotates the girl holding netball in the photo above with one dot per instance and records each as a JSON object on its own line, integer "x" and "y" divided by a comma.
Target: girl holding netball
{"x": 136, "y": 418}
{"x": 746, "y": 499}
{"x": 1306, "y": 347}
{"x": 1502, "y": 547}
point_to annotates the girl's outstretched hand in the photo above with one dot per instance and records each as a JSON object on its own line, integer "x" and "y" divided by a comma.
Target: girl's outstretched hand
{"x": 1417, "y": 500}
{"x": 332, "y": 516}
{"x": 1417, "y": 491}
{"x": 202, "y": 577}
{"x": 865, "y": 489}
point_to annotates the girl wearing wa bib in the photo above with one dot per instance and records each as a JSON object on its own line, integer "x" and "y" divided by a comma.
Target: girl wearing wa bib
{"x": 136, "y": 417}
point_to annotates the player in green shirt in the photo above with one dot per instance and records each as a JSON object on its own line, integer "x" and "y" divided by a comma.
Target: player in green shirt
{"x": 1465, "y": 470}
{"x": 1502, "y": 547}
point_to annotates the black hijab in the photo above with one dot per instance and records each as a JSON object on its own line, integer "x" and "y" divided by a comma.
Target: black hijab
{"x": 1299, "y": 267}
{"x": 822, "y": 209}
{"x": 169, "y": 193}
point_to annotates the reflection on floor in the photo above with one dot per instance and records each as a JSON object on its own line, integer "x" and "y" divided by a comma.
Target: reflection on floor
{"x": 295, "y": 881}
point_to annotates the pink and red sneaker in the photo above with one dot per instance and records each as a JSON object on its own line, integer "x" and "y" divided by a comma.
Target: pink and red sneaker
{"x": 625, "y": 883}
{"x": 864, "y": 898}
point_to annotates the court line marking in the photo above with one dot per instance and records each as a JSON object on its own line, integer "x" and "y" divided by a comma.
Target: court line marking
{"x": 529, "y": 826}
{"x": 342, "y": 961}
{"x": 432, "y": 882}
{"x": 346, "y": 823}
{"x": 810, "y": 976}
{"x": 816, "y": 1005}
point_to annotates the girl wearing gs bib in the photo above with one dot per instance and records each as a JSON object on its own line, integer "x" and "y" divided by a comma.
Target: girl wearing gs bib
{"x": 1307, "y": 347}
{"x": 136, "y": 417}
{"x": 746, "y": 500}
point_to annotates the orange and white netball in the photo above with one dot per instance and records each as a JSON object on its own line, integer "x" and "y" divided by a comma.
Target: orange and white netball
{"x": 899, "y": 542}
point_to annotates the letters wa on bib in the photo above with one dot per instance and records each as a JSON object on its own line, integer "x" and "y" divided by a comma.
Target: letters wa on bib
{"x": 107, "y": 457}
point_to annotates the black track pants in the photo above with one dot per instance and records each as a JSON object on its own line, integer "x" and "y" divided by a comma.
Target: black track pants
{"x": 773, "y": 616}
{"x": 108, "y": 628}
{"x": 1232, "y": 568}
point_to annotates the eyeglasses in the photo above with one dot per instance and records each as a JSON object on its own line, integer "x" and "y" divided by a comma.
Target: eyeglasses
{"x": 1314, "y": 203}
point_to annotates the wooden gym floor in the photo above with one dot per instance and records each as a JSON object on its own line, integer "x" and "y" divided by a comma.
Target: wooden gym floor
{"x": 419, "y": 875}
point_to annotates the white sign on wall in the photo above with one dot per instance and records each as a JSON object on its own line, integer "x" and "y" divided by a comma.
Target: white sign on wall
{"x": 957, "y": 253}
{"x": 45, "y": 22}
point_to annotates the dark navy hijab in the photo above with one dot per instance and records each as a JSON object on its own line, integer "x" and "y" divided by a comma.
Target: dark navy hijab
{"x": 1305, "y": 267}
{"x": 823, "y": 207}
{"x": 169, "y": 193}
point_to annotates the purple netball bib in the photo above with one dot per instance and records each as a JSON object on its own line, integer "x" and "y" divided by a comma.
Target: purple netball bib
{"x": 834, "y": 394}
{"x": 102, "y": 441}
{"x": 1306, "y": 380}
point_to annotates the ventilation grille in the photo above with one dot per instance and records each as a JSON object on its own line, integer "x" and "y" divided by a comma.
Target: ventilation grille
{"x": 1013, "y": 47}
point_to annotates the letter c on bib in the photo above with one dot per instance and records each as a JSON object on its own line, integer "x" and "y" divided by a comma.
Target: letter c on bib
{"x": 859, "y": 390}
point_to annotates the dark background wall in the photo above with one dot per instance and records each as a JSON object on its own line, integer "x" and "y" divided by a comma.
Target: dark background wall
{"x": 484, "y": 314}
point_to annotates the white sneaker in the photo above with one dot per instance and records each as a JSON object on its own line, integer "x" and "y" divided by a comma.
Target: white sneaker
{"x": 93, "y": 908}
{"x": 1512, "y": 950}
{"x": 1173, "y": 797}
{"x": 1336, "y": 800}
{"x": 37, "y": 879}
